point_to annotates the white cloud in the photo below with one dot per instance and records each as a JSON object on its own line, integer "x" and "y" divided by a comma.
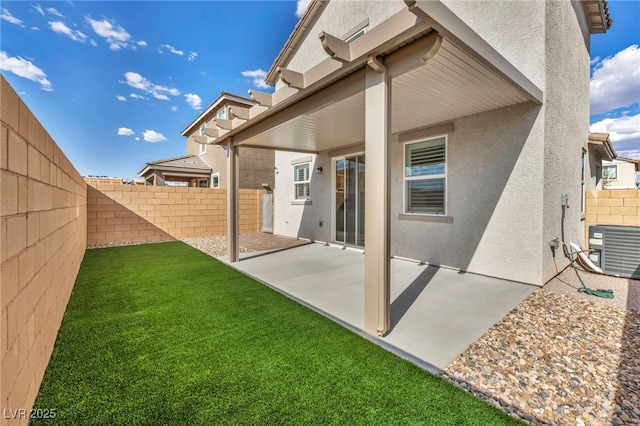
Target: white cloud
{"x": 54, "y": 12}
{"x": 258, "y": 77}
{"x": 137, "y": 81}
{"x": 153, "y": 136}
{"x": 192, "y": 56}
{"x": 194, "y": 101}
{"x": 93, "y": 43}
{"x": 136, "y": 96}
{"x": 38, "y": 8}
{"x": 170, "y": 48}
{"x": 620, "y": 128}
{"x": 301, "y": 7}
{"x": 60, "y": 27}
{"x": 24, "y": 68}
{"x": 616, "y": 81}
{"x": 142, "y": 43}
{"x": 174, "y": 108}
{"x": 125, "y": 131}
{"x": 5, "y": 15}
{"x": 114, "y": 34}
{"x": 137, "y": 138}
{"x": 121, "y": 98}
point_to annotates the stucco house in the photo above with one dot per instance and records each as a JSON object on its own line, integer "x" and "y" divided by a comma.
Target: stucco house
{"x": 205, "y": 165}
{"x": 447, "y": 132}
{"x": 619, "y": 173}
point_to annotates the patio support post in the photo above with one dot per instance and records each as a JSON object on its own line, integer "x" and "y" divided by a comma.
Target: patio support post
{"x": 377, "y": 262}
{"x": 233, "y": 204}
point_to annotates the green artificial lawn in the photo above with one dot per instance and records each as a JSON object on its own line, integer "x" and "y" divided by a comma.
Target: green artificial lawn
{"x": 164, "y": 334}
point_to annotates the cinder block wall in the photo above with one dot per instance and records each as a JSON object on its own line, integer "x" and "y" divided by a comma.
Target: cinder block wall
{"x": 131, "y": 214}
{"x": 43, "y": 236}
{"x": 612, "y": 207}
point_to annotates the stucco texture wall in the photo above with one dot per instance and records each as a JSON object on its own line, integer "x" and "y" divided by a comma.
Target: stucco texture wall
{"x": 295, "y": 220}
{"x": 494, "y": 184}
{"x": 338, "y": 18}
{"x": 120, "y": 214}
{"x": 566, "y": 130}
{"x": 43, "y": 236}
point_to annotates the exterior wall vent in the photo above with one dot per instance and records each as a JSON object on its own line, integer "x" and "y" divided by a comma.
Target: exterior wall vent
{"x": 616, "y": 249}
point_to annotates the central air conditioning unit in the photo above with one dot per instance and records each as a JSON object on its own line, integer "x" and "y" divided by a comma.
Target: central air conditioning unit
{"x": 616, "y": 249}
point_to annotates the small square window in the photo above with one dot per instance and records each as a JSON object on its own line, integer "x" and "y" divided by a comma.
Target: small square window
{"x": 222, "y": 114}
{"x": 610, "y": 172}
{"x": 215, "y": 180}
{"x": 301, "y": 181}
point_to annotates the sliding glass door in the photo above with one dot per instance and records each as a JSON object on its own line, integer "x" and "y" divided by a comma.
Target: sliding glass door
{"x": 349, "y": 190}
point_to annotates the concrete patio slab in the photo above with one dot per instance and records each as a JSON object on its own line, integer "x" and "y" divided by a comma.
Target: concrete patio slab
{"x": 436, "y": 313}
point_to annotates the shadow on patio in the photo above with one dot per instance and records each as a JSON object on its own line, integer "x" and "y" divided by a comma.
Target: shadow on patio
{"x": 436, "y": 312}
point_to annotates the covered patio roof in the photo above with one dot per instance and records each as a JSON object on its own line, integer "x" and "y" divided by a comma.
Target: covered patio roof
{"x": 420, "y": 67}
{"x": 439, "y": 70}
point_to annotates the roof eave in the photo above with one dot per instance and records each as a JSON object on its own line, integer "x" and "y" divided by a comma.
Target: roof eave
{"x": 313, "y": 10}
{"x": 224, "y": 96}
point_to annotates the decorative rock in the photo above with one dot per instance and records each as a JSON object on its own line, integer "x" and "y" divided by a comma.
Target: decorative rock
{"x": 557, "y": 360}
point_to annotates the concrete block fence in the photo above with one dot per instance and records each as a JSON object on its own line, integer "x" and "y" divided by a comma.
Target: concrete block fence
{"x": 48, "y": 217}
{"x": 43, "y": 237}
{"x": 612, "y": 207}
{"x": 129, "y": 214}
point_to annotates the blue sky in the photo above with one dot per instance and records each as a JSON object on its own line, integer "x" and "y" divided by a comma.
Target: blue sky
{"x": 114, "y": 83}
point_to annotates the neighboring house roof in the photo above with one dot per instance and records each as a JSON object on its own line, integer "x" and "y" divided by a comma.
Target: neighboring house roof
{"x": 189, "y": 164}
{"x": 225, "y": 97}
{"x": 602, "y": 146}
{"x": 635, "y": 162}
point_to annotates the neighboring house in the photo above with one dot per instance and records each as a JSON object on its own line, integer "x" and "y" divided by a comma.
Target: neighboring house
{"x": 619, "y": 173}
{"x": 205, "y": 164}
{"x": 256, "y": 168}
{"x": 608, "y": 170}
{"x": 447, "y": 132}
{"x": 190, "y": 170}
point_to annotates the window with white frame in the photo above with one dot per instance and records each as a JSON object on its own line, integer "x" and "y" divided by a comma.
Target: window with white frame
{"x": 301, "y": 181}
{"x": 222, "y": 114}
{"x": 610, "y": 172}
{"x": 203, "y": 148}
{"x": 215, "y": 180}
{"x": 425, "y": 176}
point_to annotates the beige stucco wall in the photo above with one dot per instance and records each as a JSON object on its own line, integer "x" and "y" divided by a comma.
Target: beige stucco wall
{"x": 566, "y": 118}
{"x": 507, "y": 168}
{"x": 626, "y": 176}
{"x": 297, "y": 220}
{"x": 131, "y": 214}
{"x": 43, "y": 236}
{"x": 338, "y": 18}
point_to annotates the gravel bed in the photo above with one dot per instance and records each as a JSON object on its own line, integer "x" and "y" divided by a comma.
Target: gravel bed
{"x": 213, "y": 246}
{"x": 137, "y": 243}
{"x": 558, "y": 360}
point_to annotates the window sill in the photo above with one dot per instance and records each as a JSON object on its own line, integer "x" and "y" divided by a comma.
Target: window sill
{"x": 426, "y": 218}
{"x": 301, "y": 203}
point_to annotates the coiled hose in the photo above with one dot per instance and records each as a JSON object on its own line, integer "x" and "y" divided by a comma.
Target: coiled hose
{"x": 604, "y": 293}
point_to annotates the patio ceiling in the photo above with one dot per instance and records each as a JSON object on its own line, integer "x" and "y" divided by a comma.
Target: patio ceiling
{"x": 450, "y": 85}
